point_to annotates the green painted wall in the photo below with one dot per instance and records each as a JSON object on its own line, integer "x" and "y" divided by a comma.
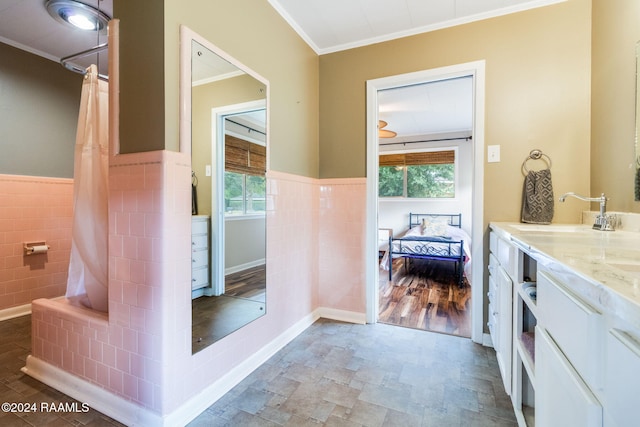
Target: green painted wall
{"x": 39, "y": 104}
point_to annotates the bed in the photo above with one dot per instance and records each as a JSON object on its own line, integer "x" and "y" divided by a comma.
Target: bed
{"x": 431, "y": 236}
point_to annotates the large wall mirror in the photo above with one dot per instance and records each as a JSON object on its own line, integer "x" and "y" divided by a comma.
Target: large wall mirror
{"x": 226, "y": 111}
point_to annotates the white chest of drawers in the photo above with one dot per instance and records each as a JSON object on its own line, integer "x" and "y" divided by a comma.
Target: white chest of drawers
{"x": 200, "y": 276}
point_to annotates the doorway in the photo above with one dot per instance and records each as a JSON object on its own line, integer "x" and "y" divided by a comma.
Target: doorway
{"x": 474, "y": 220}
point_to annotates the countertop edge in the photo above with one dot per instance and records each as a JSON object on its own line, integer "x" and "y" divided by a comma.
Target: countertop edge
{"x": 604, "y": 297}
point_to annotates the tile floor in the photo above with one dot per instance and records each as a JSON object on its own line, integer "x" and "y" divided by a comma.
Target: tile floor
{"x": 338, "y": 374}
{"x": 17, "y": 387}
{"x": 333, "y": 374}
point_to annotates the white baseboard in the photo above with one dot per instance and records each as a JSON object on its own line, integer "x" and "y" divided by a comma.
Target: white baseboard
{"x": 487, "y": 341}
{"x": 12, "y": 312}
{"x": 244, "y": 266}
{"x": 96, "y": 397}
{"x": 134, "y": 415}
{"x": 21, "y": 310}
{"x": 342, "y": 315}
{"x": 208, "y": 396}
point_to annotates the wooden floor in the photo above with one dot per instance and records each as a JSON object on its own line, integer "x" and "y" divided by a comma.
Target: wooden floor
{"x": 215, "y": 317}
{"x": 425, "y": 296}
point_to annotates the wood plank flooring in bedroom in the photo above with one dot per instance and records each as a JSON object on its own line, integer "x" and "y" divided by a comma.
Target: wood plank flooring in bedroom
{"x": 425, "y": 296}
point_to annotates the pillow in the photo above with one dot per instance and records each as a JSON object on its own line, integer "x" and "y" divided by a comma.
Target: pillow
{"x": 414, "y": 231}
{"x": 435, "y": 227}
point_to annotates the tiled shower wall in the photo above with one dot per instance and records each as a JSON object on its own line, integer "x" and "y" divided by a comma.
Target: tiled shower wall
{"x": 142, "y": 351}
{"x": 34, "y": 209}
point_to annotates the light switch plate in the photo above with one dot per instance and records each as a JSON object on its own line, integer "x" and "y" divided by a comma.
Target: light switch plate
{"x": 493, "y": 153}
{"x": 207, "y": 170}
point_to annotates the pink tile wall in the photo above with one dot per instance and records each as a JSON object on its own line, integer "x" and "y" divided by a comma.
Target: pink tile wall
{"x": 126, "y": 353}
{"x": 341, "y": 242}
{"x": 292, "y": 289}
{"x": 142, "y": 352}
{"x": 34, "y": 209}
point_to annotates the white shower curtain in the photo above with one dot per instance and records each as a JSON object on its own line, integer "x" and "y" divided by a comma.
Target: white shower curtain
{"x": 88, "y": 266}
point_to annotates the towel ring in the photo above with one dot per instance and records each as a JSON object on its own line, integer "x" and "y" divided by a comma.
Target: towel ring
{"x": 536, "y": 155}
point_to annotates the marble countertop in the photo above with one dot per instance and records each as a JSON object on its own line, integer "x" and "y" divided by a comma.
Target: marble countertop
{"x": 603, "y": 267}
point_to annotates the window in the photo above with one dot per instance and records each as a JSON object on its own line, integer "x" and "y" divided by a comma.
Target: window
{"x": 424, "y": 175}
{"x": 244, "y": 179}
{"x": 244, "y": 194}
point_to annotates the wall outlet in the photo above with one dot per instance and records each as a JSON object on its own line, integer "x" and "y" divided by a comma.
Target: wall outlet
{"x": 493, "y": 153}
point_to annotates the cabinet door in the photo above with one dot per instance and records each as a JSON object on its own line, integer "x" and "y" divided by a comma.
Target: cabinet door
{"x": 492, "y": 323}
{"x": 562, "y": 398}
{"x": 622, "y": 382}
{"x": 505, "y": 320}
{"x": 575, "y": 326}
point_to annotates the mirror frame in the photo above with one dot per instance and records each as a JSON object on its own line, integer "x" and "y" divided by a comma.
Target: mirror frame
{"x": 187, "y": 36}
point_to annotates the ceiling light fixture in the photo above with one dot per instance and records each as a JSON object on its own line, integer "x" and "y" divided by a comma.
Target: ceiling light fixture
{"x": 78, "y": 15}
{"x": 385, "y": 133}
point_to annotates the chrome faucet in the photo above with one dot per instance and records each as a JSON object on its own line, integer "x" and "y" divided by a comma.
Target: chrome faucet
{"x": 603, "y": 221}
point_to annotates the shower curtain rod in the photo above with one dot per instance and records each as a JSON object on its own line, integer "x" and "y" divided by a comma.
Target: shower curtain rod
{"x": 246, "y": 127}
{"x": 76, "y": 69}
{"x": 466, "y": 138}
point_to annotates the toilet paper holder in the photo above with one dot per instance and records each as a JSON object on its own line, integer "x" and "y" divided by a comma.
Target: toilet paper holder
{"x": 33, "y": 248}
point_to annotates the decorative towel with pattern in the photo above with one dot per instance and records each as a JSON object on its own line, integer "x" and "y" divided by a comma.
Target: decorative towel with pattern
{"x": 537, "y": 197}
{"x": 637, "y": 187}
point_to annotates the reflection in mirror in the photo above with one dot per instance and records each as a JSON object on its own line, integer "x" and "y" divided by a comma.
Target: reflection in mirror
{"x": 229, "y": 161}
{"x": 637, "y": 151}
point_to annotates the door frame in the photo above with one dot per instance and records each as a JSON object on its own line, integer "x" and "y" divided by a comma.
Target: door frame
{"x": 218, "y": 115}
{"x": 476, "y": 69}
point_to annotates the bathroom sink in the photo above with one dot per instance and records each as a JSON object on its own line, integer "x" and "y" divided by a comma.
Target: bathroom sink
{"x": 556, "y": 228}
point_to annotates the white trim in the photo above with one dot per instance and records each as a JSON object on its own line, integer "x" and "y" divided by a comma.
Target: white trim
{"x": 487, "y": 341}
{"x": 245, "y": 266}
{"x": 20, "y": 310}
{"x": 217, "y": 78}
{"x": 245, "y": 217}
{"x": 409, "y": 32}
{"x": 342, "y": 315}
{"x": 13, "y": 312}
{"x": 218, "y": 216}
{"x": 131, "y": 414}
{"x": 208, "y": 396}
{"x": 477, "y": 70}
{"x": 95, "y": 396}
{"x": 30, "y": 49}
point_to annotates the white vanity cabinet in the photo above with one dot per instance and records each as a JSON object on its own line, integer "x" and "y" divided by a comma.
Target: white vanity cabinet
{"x": 562, "y": 397}
{"x": 569, "y": 357}
{"x": 622, "y": 377}
{"x": 199, "y": 253}
{"x": 575, "y": 359}
{"x": 500, "y": 298}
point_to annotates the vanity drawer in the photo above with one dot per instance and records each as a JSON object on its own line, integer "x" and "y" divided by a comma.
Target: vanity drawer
{"x": 199, "y": 278}
{"x": 493, "y": 242}
{"x": 574, "y": 325}
{"x": 199, "y": 258}
{"x": 561, "y": 396}
{"x": 199, "y": 227}
{"x": 199, "y": 242}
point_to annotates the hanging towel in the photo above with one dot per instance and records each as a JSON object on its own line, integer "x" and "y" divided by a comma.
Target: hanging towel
{"x": 537, "y": 197}
{"x": 637, "y": 187}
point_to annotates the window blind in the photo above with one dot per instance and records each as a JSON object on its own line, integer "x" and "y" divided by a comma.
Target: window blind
{"x": 242, "y": 156}
{"x": 424, "y": 158}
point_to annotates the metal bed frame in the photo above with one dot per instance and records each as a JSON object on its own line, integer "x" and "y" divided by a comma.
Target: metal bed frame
{"x": 437, "y": 248}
